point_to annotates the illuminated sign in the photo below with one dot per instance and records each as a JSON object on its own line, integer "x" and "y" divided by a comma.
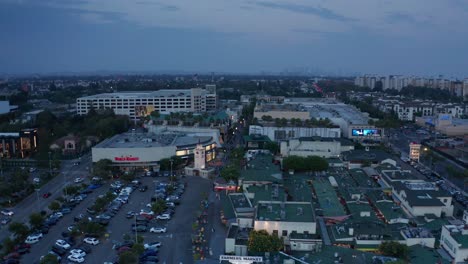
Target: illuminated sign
{"x": 240, "y": 258}
{"x": 445, "y": 117}
{"x": 126, "y": 158}
{"x": 366, "y": 132}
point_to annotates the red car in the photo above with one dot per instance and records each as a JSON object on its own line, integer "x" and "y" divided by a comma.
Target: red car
{"x": 46, "y": 195}
{"x": 14, "y": 255}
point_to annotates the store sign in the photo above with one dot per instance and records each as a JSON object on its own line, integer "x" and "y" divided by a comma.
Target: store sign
{"x": 240, "y": 259}
{"x": 126, "y": 158}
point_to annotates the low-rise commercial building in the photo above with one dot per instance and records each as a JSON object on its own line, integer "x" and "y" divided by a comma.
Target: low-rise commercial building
{"x": 273, "y": 111}
{"x": 130, "y": 150}
{"x": 422, "y": 198}
{"x": 293, "y": 221}
{"x": 315, "y": 146}
{"x": 454, "y": 240}
{"x": 277, "y": 133}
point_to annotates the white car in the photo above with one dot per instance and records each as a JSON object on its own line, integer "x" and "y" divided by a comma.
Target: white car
{"x": 63, "y": 244}
{"x": 57, "y": 214}
{"x": 75, "y": 258}
{"x": 78, "y": 180}
{"x": 34, "y": 238}
{"x": 152, "y": 245}
{"x": 146, "y": 212}
{"x": 163, "y": 217}
{"x": 78, "y": 252}
{"x": 91, "y": 240}
{"x": 158, "y": 230}
{"x": 7, "y": 212}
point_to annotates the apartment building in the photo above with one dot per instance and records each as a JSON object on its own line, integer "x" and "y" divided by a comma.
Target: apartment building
{"x": 140, "y": 104}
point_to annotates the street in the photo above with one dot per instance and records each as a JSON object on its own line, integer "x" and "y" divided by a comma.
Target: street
{"x": 35, "y": 202}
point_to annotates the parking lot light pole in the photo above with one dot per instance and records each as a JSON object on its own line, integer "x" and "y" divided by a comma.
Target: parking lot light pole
{"x": 172, "y": 161}
{"x": 136, "y": 233}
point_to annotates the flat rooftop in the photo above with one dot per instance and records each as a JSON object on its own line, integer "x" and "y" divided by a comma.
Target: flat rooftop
{"x": 142, "y": 94}
{"x": 286, "y": 212}
{"x": 148, "y": 140}
{"x": 267, "y": 192}
{"x": 327, "y": 198}
{"x": 261, "y": 169}
{"x": 279, "y": 107}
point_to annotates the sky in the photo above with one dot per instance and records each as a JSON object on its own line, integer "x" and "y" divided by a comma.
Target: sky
{"x": 340, "y": 37}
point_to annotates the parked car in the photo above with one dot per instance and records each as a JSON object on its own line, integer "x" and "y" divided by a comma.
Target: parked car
{"x": 58, "y": 250}
{"x": 62, "y": 243}
{"x": 78, "y": 180}
{"x": 158, "y": 230}
{"x": 153, "y": 245}
{"x": 5, "y": 221}
{"x": 34, "y": 238}
{"x": 78, "y": 252}
{"x": 163, "y": 217}
{"x": 75, "y": 258}
{"x": 91, "y": 241}
{"x": 139, "y": 228}
{"x": 7, "y": 212}
{"x": 12, "y": 255}
{"x": 130, "y": 214}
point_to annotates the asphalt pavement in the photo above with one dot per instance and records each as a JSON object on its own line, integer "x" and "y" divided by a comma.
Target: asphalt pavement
{"x": 35, "y": 202}
{"x": 176, "y": 242}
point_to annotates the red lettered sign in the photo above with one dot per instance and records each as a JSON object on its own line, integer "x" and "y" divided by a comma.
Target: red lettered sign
{"x": 126, "y": 158}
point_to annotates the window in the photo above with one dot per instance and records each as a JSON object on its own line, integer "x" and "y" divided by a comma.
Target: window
{"x": 285, "y": 233}
{"x": 275, "y": 232}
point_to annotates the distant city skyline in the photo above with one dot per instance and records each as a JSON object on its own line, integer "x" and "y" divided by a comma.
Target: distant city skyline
{"x": 247, "y": 37}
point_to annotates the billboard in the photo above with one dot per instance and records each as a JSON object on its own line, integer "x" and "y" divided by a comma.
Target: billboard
{"x": 366, "y": 132}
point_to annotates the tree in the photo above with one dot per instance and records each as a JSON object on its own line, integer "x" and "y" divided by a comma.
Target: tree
{"x": 267, "y": 118}
{"x": 36, "y": 220}
{"x": 102, "y": 168}
{"x": 394, "y": 249}
{"x": 155, "y": 114}
{"x": 310, "y": 163}
{"x": 91, "y": 228}
{"x": 158, "y": 206}
{"x": 230, "y": 172}
{"x": 20, "y": 230}
{"x": 128, "y": 257}
{"x": 138, "y": 248}
{"x": 261, "y": 241}
{"x": 8, "y": 245}
{"x": 49, "y": 259}
{"x": 272, "y": 147}
{"x": 54, "y": 206}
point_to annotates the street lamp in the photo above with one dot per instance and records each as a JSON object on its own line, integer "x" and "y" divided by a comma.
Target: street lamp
{"x": 136, "y": 233}
{"x": 37, "y": 198}
{"x": 172, "y": 161}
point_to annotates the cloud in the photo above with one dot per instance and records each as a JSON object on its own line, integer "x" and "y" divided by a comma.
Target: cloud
{"x": 278, "y": 19}
{"x": 305, "y": 9}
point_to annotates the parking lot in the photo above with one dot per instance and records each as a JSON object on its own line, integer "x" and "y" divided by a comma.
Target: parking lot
{"x": 176, "y": 239}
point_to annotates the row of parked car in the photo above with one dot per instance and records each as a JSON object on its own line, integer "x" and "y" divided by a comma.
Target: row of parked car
{"x": 37, "y": 234}
{"x": 148, "y": 256}
{"x": 457, "y": 195}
